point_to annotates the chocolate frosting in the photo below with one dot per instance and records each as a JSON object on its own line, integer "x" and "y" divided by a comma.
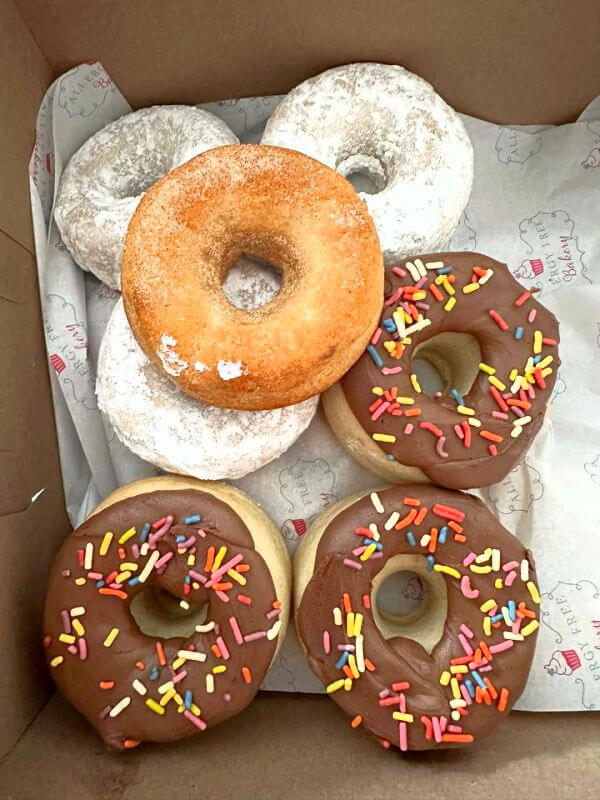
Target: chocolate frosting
{"x": 133, "y": 666}
{"x": 450, "y": 462}
{"x": 371, "y": 697}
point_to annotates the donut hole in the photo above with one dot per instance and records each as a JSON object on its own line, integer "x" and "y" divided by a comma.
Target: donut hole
{"x": 410, "y": 602}
{"x": 158, "y": 613}
{"x": 447, "y": 361}
{"x": 365, "y": 172}
{"x": 252, "y": 282}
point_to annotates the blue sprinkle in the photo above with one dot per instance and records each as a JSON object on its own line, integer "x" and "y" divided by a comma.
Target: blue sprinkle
{"x": 375, "y": 356}
{"x": 389, "y": 325}
{"x": 187, "y": 699}
{"x": 391, "y": 457}
{"x": 100, "y": 584}
{"x": 378, "y": 545}
{"x": 470, "y": 687}
{"x": 187, "y": 579}
{"x": 144, "y": 532}
{"x": 497, "y": 618}
{"x": 410, "y": 538}
{"x": 458, "y": 397}
{"x": 444, "y": 270}
{"x": 442, "y": 535}
{"x": 478, "y": 679}
{"x": 430, "y": 563}
{"x": 342, "y": 660}
{"x": 512, "y": 610}
{"x": 518, "y": 332}
{"x": 192, "y": 519}
{"x": 537, "y": 359}
{"x": 154, "y": 673}
{"x": 180, "y": 538}
{"x": 133, "y": 581}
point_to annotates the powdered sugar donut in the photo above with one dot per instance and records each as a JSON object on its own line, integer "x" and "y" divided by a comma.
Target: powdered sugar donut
{"x": 165, "y": 426}
{"x": 107, "y": 177}
{"x": 382, "y": 121}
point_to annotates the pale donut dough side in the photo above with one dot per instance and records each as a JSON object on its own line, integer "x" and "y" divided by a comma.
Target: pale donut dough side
{"x": 177, "y": 433}
{"x": 267, "y": 538}
{"x": 107, "y": 177}
{"x": 385, "y": 122}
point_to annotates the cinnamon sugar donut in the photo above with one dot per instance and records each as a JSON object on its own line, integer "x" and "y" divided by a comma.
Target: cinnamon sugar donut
{"x": 276, "y": 205}
{"x": 166, "y": 608}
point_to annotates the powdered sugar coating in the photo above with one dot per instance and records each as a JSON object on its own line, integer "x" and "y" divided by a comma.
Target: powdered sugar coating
{"x": 385, "y": 122}
{"x": 177, "y": 433}
{"x": 107, "y": 177}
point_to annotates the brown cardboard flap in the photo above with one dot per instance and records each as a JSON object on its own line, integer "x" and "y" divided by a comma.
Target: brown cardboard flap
{"x": 502, "y": 60}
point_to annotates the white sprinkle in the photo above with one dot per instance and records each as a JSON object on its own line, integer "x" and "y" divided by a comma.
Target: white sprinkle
{"x": 435, "y": 265}
{"x": 524, "y": 570}
{"x": 486, "y": 277}
{"x": 360, "y": 653}
{"x": 337, "y": 615}
{"x": 121, "y": 706}
{"x": 191, "y": 655}
{"x": 165, "y": 687}
{"x": 144, "y": 549}
{"x": 495, "y": 559}
{"x": 78, "y": 611}
{"x": 210, "y": 683}
{"x": 185, "y": 605}
{"x": 139, "y": 687}
{"x": 424, "y": 540}
{"x": 515, "y": 637}
{"x": 458, "y": 702}
{"x": 414, "y": 272}
{"x": 520, "y": 421}
{"x": 89, "y": 555}
{"x": 392, "y": 520}
{"x": 205, "y": 628}
{"x": 228, "y": 370}
{"x": 273, "y": 632}
{"x": 475, "y": 423}
{"x": 149, "y": 566}
{"x": 421, "y": 267}
{"x": 374, "y": 532}
{"x": 376, "y": 502}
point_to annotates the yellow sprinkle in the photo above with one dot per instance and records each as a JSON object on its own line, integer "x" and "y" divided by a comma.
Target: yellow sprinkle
{"x": 333, "y": 687}
{"x": 377, "y": 390}
{"x": 384, "y": 437}
{"x": 487, "y": 626}
{"x": 123, "y": 576}
{"x": 454, "y": 573}
{"x": 533, "y": 591}
{"x": 358, "y": 621}
{"x": 210, "y": 683}
{"x": 486, "y": 368}
{"x": 352, "y": 665}
{"x": 530, "y": 627}
{"x": 546, "y": 372}
{"x": 415, "y": 383}
{"x": 498, "y": 583}
{"x": 218, "y": 558}
{"x": 191, "y": 560}
{"x": 524, "y": 383}
{"x": 545, "y": 362}
{"x": 485, "y": 556}
{"x": 195, "y": 585}
{"x": 405, "y": 401}
{"x": 168, "y": 696}
{"x": 402, "y": 717}
{"x": 194, "y": 709}
{"x": 487, "y": 606}
{"x": 67, "y": 638}
{"x": 337, "y": 616}
{"x": 390, "y": 346}
{"x": 129, "y": 565}
{"x": 537, "y": 342}
{"x": 219, "y": 669}
{"x": 445, "y": 678}
{"x": 457, "y": 669}
{"x": 106, "y": 540}
{"x": 78, "y": 627}
{"x": 179, "y": 662}
{"x": 368, "y": 552}
{"x": 78, "y": 611}
{"x": 468, "y": 412}
{"x": 470, "y": 287}
{"x": 350, "y": 623}
{"x": 480, "y": 570}
{"x": 454, "y": 687}
{"x": 80, "y": 581}
{"x": 513, "y": 373}
{"x": 154, "y": 706}
{"x": 127, "y": 535}
{"x": 497, "y": 383}
{"x": 111, "y": 637}
{"x": 447, "y": 285}
{"x": 450, "y": 304}
{"x": 347, "y": 684}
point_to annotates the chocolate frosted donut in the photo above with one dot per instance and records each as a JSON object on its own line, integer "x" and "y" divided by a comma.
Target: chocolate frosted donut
{"x": 165, "y": 609}
{"x": 495, "y": 348}
{"x": 444, "y": 673}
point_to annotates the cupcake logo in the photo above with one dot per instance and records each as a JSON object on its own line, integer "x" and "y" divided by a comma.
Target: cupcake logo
{"x": 308, "y": 488}
{"x": 84, "y": 89}
{"x": 563, "y": 662}
{"x": 592, "y": 159}
{"x": 519, "y": 489}
{"x": 515, "y": 147}
{"x": 554, "y": 255}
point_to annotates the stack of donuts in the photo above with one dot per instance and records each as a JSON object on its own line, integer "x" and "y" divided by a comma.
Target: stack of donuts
{"x": 168, "y": 605}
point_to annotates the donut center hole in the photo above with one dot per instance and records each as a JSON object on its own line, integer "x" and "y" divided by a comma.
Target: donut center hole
{"x": 447, "y": 362}
{"x": 159, "y": 613}
{"x": 366, "y": 173}
{"x": 409, "y": 601}
{"x": 252, "y": 282}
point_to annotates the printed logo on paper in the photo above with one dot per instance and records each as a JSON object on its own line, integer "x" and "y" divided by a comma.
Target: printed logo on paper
{"x": 560, "y": 387}
{"x": 464, "y": 236}
{"x": 67, "y": 343}
{"x": 521, "y": 487}
{"x": 84, "y": 89}
{"x": 554, "y": 256}
{"x": 308, "y": 488}
{"x": 593, "y": 469}
{"x": 592, "y": 158}
{"x": 515, "y": 147}
{"x": 570, "y": 642}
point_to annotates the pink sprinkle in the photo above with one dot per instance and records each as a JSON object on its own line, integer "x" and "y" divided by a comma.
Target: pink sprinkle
{"x": 66, "y": 573}
{"x": 437, "y": 731}
{"x": 443, "y": 724}
{"x": 376, "y": 336}
{"x": 465, "y": 644}
{"x": 510, "y": 578}
{"x": 358, "y": 551}
{"x": 421, "y": 282}
{"x": 465, "y": 694}
{"x": 485, "y": 668}
{"x": 532, "y": 315}
{"x": 401, "y": 273}
{"x": 499, "y": 414}
{"x": 469, "y": 559}
{"x": 72, "y": 649}
{"x": 354, "y": 564}
{"x": 459, "y": 431}
{"x": 391, "y": 700}
{"x": 403, "y": 736}
{"x": 222, "y": 596}
{"x": 95, "y": 576}
{"x": 188, "y": 543}
{"x": 154, "y": 537}
{"x": 105, "y": 712}
{"x": 252, "y": 637}
{"x": 274, "y": 613}
{"x": 218, "y": 574}
{"x": 163, "y": 559}
{"x": 498, "y": 648}
{"x": 477, "y": 664}
{"x": 237, "y": 634}
{"x": 179, "y": 676}
{"x": 510, "y": 565}
{"x": 379, "y": 411}
{"x": 199, "y": 723}
{"x": 377, "y": 554}
{"x": 391, "y": 370}
{"x": 66, "y": 619}
{"x": 227, "y": 697}
{"x": 47, "y": 641}
{"x": 393, "y": 297}
{"x": 197, "y": 576}
{"x": 223, "y": 647}
{"x": 467, "y": 631}
{"x": 82, "y": 649}
{"x": 517, "y": 625}
{"x": 384, "y": 693}
{"x": 493, "y": 610}
{"x": 326, "y": 642}
{"x": 518, "y": 412}
{"x": 201, "y": 533}
{"x": 135, "y": 550}
{"x": 408, "y": 428}
{"x": 465, "y": 586}
{"x": 439, "y": 447}
{"x": 455, "y": 728}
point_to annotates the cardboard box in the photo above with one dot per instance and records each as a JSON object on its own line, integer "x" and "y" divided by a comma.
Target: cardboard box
{"x": 157, "y": 52}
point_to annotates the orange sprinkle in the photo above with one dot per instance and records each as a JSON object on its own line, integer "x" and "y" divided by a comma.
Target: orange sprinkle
{"x": 243, "y": 598}
{"x": 346, "y": 602}
{"x": 366, "y": 601}
{"x": 140, "y": 665}
{"x": 216, "y": 650}
{"x": 114, "y": 592}
{"x": 457, "y": 737}
{"x": 276, "y": 604}
{"x": 503, "y": 699}
{"x": 210, "y": 557}
{"x": 242, "y": 568}
{"x": 479, "y": 271}
{"x": 455, "y": 526}
{"x": 383, "y": 742}
{"x": 491, "y": 688}
{"x": 436, "y": 292}
{"x": 462, "y": 660}
{"x": 107, "y": 684}
{"x": 348, "y": 672}
{"x": 412, "y": 412}
{"x": 458, "y": 537}
{"x": 411, "y": 501}
{"x": 422, "y": 513}
{"x": 525, "y": 611}
{"x": 162, "y": 660}
{"x": 491, "y": 437}
{"x": 222, "y": 587}
{"x": 122, "y": 553}
{"x": 356, "y": 721}
{"x": 129, "y": 744}
{"x": 462, "y": 711}
{"x": 369, "y": 665}
{"x": 433, "y": 540}
{"x": 246, "y": 674}
{"x": 407, "y": 520}
{"x": 451, "y": 277}
{"x": 486, "y": 651}
{"x": 524, "y": 404}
